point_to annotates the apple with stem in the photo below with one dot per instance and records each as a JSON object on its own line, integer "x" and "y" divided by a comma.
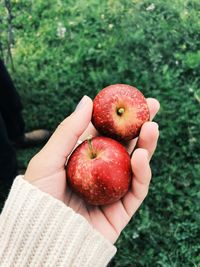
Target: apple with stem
{"x": 99, "y": 170}
{"x": 119, "y": 111}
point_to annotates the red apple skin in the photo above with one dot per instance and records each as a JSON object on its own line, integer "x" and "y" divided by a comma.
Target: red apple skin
{"x": 105, "y": 115}
{"x": 101, "y": 180}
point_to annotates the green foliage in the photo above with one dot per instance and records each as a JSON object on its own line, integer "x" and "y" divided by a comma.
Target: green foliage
{"x": 65, "y": 49}
{"x": 3, "y": 32}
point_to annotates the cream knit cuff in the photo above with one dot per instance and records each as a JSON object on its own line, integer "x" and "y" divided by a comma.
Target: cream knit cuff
{"x": 39, "y": 230}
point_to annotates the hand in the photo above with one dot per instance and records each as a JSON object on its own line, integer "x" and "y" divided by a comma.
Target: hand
{"x": 46, "y": 169}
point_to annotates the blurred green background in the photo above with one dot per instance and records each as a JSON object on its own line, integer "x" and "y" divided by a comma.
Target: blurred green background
{"x": 62, "y": 50}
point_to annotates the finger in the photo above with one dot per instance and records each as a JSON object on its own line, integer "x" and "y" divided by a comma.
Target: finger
{"x": 153, "y": 106}
{"x": 130, "y": 145}
{"x": 67, "y": 133}
{"x": 148, "y": 137}
{"x": 140, "y": 183}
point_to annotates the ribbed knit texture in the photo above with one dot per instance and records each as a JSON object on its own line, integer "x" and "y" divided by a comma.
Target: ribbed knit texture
{"x": 39, "y": 230}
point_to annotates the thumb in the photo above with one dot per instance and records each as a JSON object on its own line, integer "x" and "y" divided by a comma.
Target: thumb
{"x": 67, "y": 133}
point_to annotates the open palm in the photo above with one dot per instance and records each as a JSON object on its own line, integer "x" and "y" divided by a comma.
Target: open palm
{"x": 46, "y": 169}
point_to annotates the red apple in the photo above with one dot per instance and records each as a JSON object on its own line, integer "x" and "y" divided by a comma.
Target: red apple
{"x": 99, "y": 170}
{"x": 119, "y": 111}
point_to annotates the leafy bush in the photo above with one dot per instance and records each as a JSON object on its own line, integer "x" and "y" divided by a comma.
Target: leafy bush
{"x": 65, "y": 49}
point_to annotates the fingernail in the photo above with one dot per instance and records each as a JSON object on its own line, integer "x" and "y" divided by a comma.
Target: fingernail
{"x": 81, "y": 103}
{"x": 156, "y": 124}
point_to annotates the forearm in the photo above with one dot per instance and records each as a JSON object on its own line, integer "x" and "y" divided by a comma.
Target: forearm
{"x": 38, "y": 230}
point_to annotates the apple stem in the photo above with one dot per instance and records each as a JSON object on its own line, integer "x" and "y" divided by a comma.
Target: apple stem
{"x": 93, "y": 154}
{"x": 120, "y": 111}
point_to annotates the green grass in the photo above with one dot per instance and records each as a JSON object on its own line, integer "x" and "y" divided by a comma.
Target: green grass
{"x": 154, "y": 47}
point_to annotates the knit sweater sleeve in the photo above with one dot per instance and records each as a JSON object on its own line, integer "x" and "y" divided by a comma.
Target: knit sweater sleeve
{"x": 39, "y": 230}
